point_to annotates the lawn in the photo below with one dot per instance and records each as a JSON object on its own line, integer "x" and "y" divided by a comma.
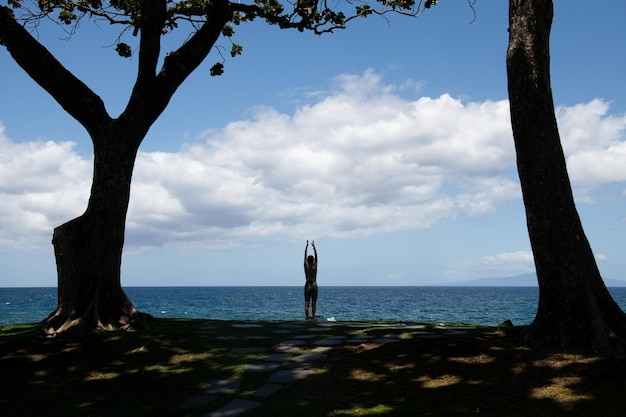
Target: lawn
{"x": 437, "y": 371}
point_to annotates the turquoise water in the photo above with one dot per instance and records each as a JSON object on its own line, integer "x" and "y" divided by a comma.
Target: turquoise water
{"x": 476, "y": 305}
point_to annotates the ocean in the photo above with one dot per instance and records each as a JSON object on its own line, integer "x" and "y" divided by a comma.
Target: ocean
{"x": 474, "y": 305}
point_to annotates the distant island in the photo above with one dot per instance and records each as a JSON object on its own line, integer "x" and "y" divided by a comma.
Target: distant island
{"x": 524, "y": 280}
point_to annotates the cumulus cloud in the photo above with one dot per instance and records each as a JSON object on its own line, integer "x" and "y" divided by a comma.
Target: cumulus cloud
{"x": 361, "y": 160}
{"x": 498, "y": 266}
{"x": 42, "y": 184}
{"x": 594, "y": 142}
{"x": 492, "y": 266}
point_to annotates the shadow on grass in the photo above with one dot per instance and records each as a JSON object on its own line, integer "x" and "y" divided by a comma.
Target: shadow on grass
{"x": 108, "y": 374}
{"x": 483, "y": 372}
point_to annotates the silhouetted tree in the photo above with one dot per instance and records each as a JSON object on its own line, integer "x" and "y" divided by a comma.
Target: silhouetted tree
{"x": 575, "y": 308}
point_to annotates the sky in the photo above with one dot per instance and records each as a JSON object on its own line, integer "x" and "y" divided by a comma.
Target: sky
{"x": 388, "y": 143}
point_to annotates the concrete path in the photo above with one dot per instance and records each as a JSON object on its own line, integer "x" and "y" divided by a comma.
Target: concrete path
{"x": 282, "y": 363}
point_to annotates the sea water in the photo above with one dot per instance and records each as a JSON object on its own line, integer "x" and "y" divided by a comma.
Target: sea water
{"x": 475, "y": 305}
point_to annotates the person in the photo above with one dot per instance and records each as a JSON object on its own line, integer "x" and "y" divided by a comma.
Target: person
{"x": 310, "y": 287}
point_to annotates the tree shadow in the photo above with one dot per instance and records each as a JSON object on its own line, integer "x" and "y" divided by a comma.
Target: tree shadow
{"x": 489, "y": 374}
{"x": 148, "y": 373}
{"x": 482, "y": 372}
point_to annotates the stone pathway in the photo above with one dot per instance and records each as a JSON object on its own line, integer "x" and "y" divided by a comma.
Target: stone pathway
{"x": 283, "y": 363}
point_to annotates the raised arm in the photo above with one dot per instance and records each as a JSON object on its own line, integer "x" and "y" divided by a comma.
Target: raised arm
{"x": 314, "y": 250}
{"x": 305, "y": 250}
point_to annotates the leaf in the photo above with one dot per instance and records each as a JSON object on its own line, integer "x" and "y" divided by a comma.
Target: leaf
{"x": 228, "y": 31}
{"x": 236, "y": 50}
{"x": 217, "y": 69}
{"x": 124, "y": 50}
{"x": 67, "y": 17}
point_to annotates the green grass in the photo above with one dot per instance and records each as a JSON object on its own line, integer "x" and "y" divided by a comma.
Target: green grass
{"x": 483, "y": 372}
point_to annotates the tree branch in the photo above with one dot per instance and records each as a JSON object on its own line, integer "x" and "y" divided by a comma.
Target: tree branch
{"x": 151, "y": 25}
{"x": 177, "y": 66}
{"x": 70, "y": 92}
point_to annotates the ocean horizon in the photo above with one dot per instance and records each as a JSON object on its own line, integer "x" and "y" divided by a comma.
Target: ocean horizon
{"x": 451, "y": 304}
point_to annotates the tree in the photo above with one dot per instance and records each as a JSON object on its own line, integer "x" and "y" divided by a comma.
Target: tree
{"x": 88, "y": 249}
{"x": 575, "y": 308}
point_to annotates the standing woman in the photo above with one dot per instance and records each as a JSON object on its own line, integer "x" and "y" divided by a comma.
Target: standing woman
{"x": 310, "y": 288}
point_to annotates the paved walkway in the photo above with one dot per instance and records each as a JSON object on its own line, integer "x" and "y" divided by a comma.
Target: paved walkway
{"x": 285, "y": 364}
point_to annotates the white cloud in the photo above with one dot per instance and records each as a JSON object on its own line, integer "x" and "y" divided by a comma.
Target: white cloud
{"x": 500, "y": 265}
{"x": 360, "y": 161}
{"x": 495, "y": 266}
{"x": 594, "y": 144}
{"x": 42, "y": 184}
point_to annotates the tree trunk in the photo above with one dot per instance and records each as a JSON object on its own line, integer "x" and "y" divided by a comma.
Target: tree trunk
{"x": 575, "y": 308}
{"x": 88, "y": 249}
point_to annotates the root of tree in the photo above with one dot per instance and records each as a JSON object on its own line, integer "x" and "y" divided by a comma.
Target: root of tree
{"x": 61, "y": 322}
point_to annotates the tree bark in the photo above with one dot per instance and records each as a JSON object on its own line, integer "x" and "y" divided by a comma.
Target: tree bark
{"x": 88, "y": 249}
{"x": 575, "y": 308}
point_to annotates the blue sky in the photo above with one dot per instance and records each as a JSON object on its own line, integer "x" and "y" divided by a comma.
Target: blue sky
{"x": 388, "y": 143}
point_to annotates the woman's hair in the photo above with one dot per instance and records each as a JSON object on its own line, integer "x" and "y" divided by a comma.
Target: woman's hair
{"x": 310, "y": 260}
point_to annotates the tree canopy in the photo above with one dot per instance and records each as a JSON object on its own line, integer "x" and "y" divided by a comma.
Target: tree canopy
{"x": 305, "y": 15}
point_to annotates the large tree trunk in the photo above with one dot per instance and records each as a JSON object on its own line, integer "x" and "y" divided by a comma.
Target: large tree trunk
{"x": 88, "y": 249}
{"x": 575, "y": 308}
